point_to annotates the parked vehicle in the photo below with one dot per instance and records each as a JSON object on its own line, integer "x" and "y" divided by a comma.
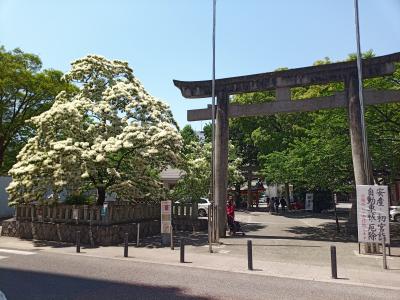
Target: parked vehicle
{"x": 394, "y": 212}
{"x": 203, "y": 207}
{"x": 263, "y": 198}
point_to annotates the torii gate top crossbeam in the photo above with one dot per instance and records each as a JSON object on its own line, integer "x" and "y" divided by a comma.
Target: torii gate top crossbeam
{"x": 321, "y": 74}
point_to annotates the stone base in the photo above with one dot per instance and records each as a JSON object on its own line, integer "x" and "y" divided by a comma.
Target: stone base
{"x": 190, "y": 224}
{"x": 101, "y": 235}
{"x": 95, "y": 235}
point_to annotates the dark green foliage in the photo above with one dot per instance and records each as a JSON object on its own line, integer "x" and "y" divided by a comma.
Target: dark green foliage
{"x": 25, "y": 92}
{"x": 312, "y": 150}
{"x": 80, "y": 199}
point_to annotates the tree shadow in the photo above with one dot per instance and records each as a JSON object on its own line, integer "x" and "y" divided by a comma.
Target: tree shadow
{"x": 19, "y": 284}
{"x": 250, "y": 227}
{"x": 323, "y": 232}
{"x": 196, "y": 239}
{"x": 342, "y": 215}
{"x": 52, "y": 244}
{"x": 270, "y": 245}
{"x": 328, "y": 232}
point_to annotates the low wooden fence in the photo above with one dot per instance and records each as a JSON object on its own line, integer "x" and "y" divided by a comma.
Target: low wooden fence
{"x": 114, "y": 213}
{"x": 185, "y": 211}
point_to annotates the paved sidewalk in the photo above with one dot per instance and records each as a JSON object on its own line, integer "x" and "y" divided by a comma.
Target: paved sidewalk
{"x": 288, "y": 246}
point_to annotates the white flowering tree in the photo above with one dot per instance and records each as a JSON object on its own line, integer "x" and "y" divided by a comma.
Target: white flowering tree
{"x": 111, "y": 135}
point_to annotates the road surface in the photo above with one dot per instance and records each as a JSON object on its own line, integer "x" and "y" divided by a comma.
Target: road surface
{"x": 44, "y": 275}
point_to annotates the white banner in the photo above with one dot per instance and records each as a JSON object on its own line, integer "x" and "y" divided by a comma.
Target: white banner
{"x": 309, "y": 205}
{"x": 166, "y": 211}
{"x": 372, "y": 213}
{"x": 75, "y": 214}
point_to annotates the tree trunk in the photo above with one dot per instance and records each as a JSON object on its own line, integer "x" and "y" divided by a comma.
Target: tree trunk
{"x": 287, "y": 192}
{"x": 101, "y": 195}
{"x": 249, "y": 198}
{"x": 238, "y": 198}
{"x": 2, "y": 151}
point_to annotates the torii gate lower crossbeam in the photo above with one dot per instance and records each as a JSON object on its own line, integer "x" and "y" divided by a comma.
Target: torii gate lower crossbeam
{"x": 281, "y": 82}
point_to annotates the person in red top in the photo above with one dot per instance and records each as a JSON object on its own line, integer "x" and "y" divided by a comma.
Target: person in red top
{"x": 230, "y": 213}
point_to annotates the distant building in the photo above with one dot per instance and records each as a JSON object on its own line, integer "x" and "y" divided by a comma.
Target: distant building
{"x": 170, "y": 177}
{"x": 200, "y": 135}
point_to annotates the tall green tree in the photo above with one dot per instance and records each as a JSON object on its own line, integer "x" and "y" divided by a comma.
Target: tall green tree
{"x": 25, "y": 91}
{"x": 196, "y": 164}
{"x": 312, "y": 150}
{"x": 188, "y": 137}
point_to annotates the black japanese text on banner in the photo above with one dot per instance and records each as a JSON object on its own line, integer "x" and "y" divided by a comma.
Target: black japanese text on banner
{"x": 372, "y": 213}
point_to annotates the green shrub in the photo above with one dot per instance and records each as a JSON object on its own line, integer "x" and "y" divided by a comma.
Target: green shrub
{"x": 80, "y": 200}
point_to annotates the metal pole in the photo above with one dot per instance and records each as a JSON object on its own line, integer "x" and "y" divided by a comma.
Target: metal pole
{"x": 126, "y": 245}
{"x": 333, "y": 262}
{"x": 78, "y": 241}
{"x": 249, "y": 255}
{"x": 137, "y": 234}
{"x": 172, "y": 238}
{"x": 213, "y": 110}
{"x": 182, "y": 260}
{"x": 361, "y": 97}
{"x": 210, "y": 228}
{"x": 384, "y": 253}
{"x": 336, "y": 218}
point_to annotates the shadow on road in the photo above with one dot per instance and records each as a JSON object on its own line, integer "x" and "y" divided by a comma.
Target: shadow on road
{"x": 342, "y": 215}
{"x": 51, "y": 244}
{"x": 323, "y": 232}
{"x": 19, "y": 284}
{"x": 192, "y": 239}
{"x": 269, "y": 245}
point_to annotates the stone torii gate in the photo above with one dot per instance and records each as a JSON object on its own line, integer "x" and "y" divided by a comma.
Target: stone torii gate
{"x": 282, "y": 82}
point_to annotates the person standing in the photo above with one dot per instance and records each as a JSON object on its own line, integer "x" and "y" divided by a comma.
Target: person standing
{"x": 230, "y": 213}
{"x": 283, "y": 204}
{"x": 276, "y": 203}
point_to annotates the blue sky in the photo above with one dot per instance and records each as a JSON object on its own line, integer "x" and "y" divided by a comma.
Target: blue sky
{"x": 171, "y": 39}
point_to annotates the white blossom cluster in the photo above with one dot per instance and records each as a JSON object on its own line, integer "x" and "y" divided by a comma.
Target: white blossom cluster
{"x": 111, "y": 135}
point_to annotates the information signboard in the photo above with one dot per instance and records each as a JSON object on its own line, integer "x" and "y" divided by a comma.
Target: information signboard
{"x": 309, "y": 205}
{"x": 103, "y": 211}
{"x": 372, "y": 213}
{"x": 75, "y": 214}
{"x": 166, "y": 210}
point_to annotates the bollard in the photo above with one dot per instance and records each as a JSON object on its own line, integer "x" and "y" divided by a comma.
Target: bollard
{"x": 209, "y": 228}
{"x": 126, "y": 245}
{"x": 78, "y": 242}
{"x": 137, "y": 234}
{"x": 172, "y": 238}
{"x": 249, "y": 255}
{"x": 182, "y": 250}
{"x": 333, "y": 262}
{"x": 384, "y": 253}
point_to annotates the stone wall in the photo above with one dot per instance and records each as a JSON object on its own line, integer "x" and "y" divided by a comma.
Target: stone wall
{"x": 99, "y": 235}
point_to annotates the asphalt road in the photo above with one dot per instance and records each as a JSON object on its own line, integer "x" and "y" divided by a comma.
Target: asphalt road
{"x": 44, "y": 275}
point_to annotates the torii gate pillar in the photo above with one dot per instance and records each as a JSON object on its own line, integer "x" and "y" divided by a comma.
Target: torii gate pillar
{"x": 354, "y": 111}
{"x": 221, "y": 162}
